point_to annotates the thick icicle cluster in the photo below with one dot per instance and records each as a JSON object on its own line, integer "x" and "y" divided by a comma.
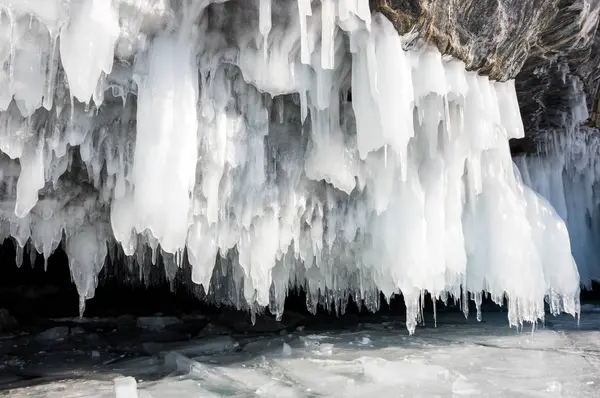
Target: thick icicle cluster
{"x": 294, "y": 143}
{"x": 566, "y": 171}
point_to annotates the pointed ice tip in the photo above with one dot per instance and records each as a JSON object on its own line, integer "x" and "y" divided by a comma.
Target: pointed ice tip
{"x": 82, "y": 300}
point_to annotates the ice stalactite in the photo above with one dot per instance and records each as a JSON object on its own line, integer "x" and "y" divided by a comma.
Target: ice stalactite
{"x": 290, "y": 143}
{"x": 87, "y": 45}
{"x": 566, "y": 171}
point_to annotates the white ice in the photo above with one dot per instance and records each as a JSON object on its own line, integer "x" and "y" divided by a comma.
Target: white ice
{"x": 297, "y": 143}
{"x": 566, "y": 172}
{"x": 126, "y": 387}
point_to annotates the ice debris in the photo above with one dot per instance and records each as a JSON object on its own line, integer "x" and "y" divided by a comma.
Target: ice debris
{"x": 125, "y": 387}
{"x": 287, "y": 349}
{"x": 291, "y": 143}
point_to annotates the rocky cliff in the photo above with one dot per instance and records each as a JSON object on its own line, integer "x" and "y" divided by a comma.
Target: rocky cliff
{"x": 551, "y": 47}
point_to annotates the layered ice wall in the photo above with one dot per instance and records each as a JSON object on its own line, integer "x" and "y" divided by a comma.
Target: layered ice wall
{"x": 288, "y": 143}
{"x": 566, "y": 171}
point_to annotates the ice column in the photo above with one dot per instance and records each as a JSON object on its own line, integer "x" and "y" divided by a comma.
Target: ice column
{"x": 164, "y": 170}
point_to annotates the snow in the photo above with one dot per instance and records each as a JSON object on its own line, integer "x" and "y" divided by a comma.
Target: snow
{"x": 461, "y": 358}
{"x": 269, "y": 145}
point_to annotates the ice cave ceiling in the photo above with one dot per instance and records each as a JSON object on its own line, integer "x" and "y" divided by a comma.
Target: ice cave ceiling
{"x": 345, "y": 146}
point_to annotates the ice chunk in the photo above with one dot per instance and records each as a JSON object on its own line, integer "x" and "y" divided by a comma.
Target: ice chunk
{"x": 125, "y": 387}
{"x": 287, "y": 350}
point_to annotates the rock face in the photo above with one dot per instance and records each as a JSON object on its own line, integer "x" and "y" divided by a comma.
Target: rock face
{"x": 547, "y": 45}
{"x": 564, "y": 65}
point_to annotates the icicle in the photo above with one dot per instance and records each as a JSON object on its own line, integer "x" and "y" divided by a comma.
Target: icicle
{"x": 478, "y": 298}
{"x": 19, "y": 255}
{"x": 434, "y": 302}
{"x": 304, "y": 11}
{"x": 52, "y": 69}
{"x": 264, "y": 22}
{"x": 385, "y": 149}
{"x": 327, "y": 34}
{"x": 32, "y": 255}
{"x": 465, "y": 302}
{"x": 303, "y": 106}
{"x": 13, "y": 47}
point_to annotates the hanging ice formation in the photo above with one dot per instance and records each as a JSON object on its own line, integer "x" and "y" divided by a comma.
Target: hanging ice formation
{"x": 297, "y": 142}
{"x": 566, "y": 171}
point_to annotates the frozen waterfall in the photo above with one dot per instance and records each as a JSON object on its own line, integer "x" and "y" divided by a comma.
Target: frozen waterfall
{"x": 294, "y": 143}
{"x": 566, "y": 171}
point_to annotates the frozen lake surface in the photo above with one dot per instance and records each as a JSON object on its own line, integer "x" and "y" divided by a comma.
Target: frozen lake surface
{"x": 378, "y": 359}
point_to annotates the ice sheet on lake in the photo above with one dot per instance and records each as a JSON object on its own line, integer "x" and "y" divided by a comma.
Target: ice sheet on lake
{"x": 463, "y": 358}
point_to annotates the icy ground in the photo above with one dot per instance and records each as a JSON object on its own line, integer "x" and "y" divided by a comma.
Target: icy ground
{"x": 303, "y": 357}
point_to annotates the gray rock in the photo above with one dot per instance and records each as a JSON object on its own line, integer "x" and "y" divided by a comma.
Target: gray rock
{"x": 55, "y": 334}
{"x": 7, "y": 322}
{"x": 492, "y": 36}
{"x": 156, "y": 322}
{"x": 547, "y": 45}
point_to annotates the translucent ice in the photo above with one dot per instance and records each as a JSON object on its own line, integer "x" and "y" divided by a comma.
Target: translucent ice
{"x": 253, "y": 146}
{"x": 125, "y": 387}
{"x": 566, "y": 172}
{"x": 87, "y": 45}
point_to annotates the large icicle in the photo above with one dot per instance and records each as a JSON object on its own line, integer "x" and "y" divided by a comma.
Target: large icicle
{"x": 87, "y": 45}
{"x": 164, "y": 169}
